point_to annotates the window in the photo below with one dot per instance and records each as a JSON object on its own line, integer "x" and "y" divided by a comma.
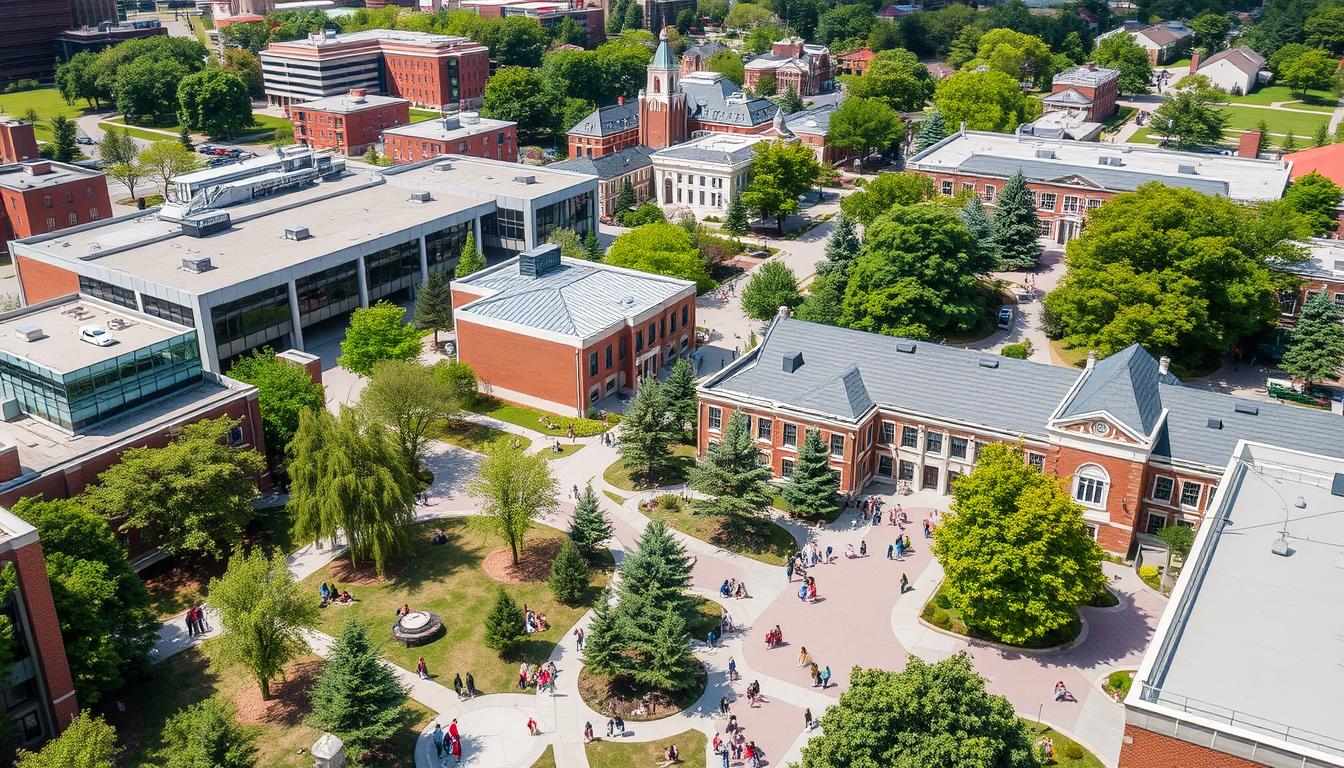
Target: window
{"x": 1288, "y": 300}
{"x": 989, "y": 193}
{"x": 1093, "y": 202}
{"x": 790, "y": 435}
{"x": 674, "y": 322}
{"x": 957, "y": 449}
{"x": 685, "y": 312}
{"x": 1071, "y": 204}
{"x": 1048, "y": 201}
{"x": 763, "y": 429}
{"x": 933, "y": 442}
{"x": 639, "y": 341}
{"x": 608, "y": 357}
{"x": 108, "y": 292}
{"x": 592, "y": 364}
{"x": 884, "y": 466}
{"x": 51, "y": 222}
{"x": 715, "y": 418}
{"x": 967, "y": 186}
{"x": 621, "y": 347}
{"x": 1036, "y": 460}
{"x": 93, "y": 214}
{"x": 1043, "y": 228}
{"x": 1190, "y": 493}
{"x": 1089, "y": 485}
{"x": 74, "y": 218}
{"x": 906, "y": 471}
{"x": 837, "y": 445}
{"x": 1091, "y": 530}
{"x": 1162, "y": 488}
{"x": 46, "y": 201}
{"x": 909, "y": 437}
{"x": 594, "y": 394}
{"x": 786, "y": 468}
{"x": 946, "y": 187}
{"x": 888, "y": 433}
{"x": 1155, "y": 523}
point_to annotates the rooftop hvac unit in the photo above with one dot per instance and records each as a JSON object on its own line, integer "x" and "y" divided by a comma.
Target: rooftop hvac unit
{"x": 524, "y": 179}
{"x": 988, "y": 362}
{"x": 793, "y": 362}
{"x": 297, "y": 233}
{"x": 1109, "y": 160}
{"x": 421, "y": 197}
{"x": 1045, "y": 154}
{"x": 29, "y": 332}
{"x": 197, "y": 264}
{"x": 451, "y": 123}
{"x": 1183, "y": 168}
{"x": 469, "y": 118}
{"x": 446, "y": 165}
{"x": 10, "y": 409}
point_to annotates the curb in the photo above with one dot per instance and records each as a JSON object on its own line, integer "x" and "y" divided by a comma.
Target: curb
{"x": 1077, "y": 641}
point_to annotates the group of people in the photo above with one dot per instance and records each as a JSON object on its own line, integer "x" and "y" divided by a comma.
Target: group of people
{"x": 863, "y": 550}
{"x": 534, "y": 621}
{"x": 196, "y": 623}
{"x": 898, "y": 549}
{"x": 450, "y": 742}
{"x": 774, "y": 637}
{"x": 808, "y": 591}
{"x": 733, "y": 588}
{"x": 540, "y": 677}
{"x": 736, "y": 747}
{"x": 333, "y": 594}
{"x": 467, "y": 691}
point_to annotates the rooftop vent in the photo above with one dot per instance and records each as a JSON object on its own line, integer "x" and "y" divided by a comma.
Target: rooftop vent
{"x": 29, "y": 333}
{"x": 1248, "y": 409}
{"x": 1045, "y": 154}
{"x": 451, "y": 122}
{"x": 421, "y": 197}
{"x": 906, "y": 347}
{"x": 1110, "y": 160}
{"x": 1337, "y": 487}
{"x": 1339, "y": 265}
{"x": 1215, "y": 423}
{"x": 37, "y": 168}
{"x": 538, "y": 261}
{"x": 197, "y": 264}
{"x": 297, "y": 233}
{"x": 1185, "y": 168}
{"x": 793, "y": 362}
{"x": 529, "y": 179}
{"x": 446, "y": 165}
{"x": 988, "y": 362}
{"x": 469, "y": 118}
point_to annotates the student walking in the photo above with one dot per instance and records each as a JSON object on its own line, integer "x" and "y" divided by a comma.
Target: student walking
{"x": 825, "y": 677}
{"x": 422, "y": 669}
{"x": 807, "y": 719}
{"x": 438, "y": 741}
{"x": 905, "y": 584}
{"x": 457, "y": 684}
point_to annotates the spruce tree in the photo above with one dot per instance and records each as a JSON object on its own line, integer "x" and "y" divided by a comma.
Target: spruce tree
{"x": 1316, "y": 352}
{"x": 658, "y": 570}
{"x": 667, "y": 661}
{"x": 736, "y": 223}
{"x": 184, "y": 137}
{"x": 731, "y": 474}
{"x": 603, "y": 644}
{"x": 357, "y": 697}
{"x": 471, "y": 259}
{"x": 789, "y": 102}
{"x": 1322, "y": 136}
{"x": 434, "y": 305}
{"x": 647, "y": 429}
{"x": 1289, "y": 143}
{"x": 811, "y": 492}
{"x": 590, "y": 529}
{"x": 504, "y": 623}
{"x": 592, "y": 246}
{"x": 842, "y": 248}
{"x": 1016, "y": 227}
{"x": 679, "y": 391}
{"x": 625, "y": 199}
{"x": 634, "y": 17}
{"x": 977, "y": 221}
{"x": 569, "y": 574}
{"x": 932, "y": 131}
{"x": 64, "y": 146}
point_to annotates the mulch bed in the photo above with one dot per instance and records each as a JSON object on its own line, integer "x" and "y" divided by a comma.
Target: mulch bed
{"x": 289, "y": 702}
{"x": 534, "y": 562}
{"x": 619, "y": 696}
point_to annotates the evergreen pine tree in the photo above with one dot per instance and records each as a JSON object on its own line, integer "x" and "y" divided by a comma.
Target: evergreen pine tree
{"x": 736, "y": 222}
{"x": 1015, "y": 227}
{"x": 504, "y": 623}
{"x": 590, "y": 528}
{"x": 592, "y": 246}
{"x": 625, "y": 199}
{"x": 667, "y": 661}
{"x": 357, "y": 697}
{"x": 842, "y": 247}
{"x": 1289, "y": 143}
{"x": 184, "y": 137}
{"x": 569, "y": 574}
{"x": 658, "y": 568}
{"x": 731, "y": 474}
{"x": 790, "y": 102}
{"x": 811, "y": 492}
{"x": 1263, "y": 142}
{"x": 1322, "y": 136}
{"x": 64, "y": 146}
{"x": 1317, "y": 349}
{"x": 932, "y": 131}
{"x": 434, "y": 305}
{"x": 471, "y": 259}
{"x": 977, "y": 221}
{"x": 603, "y": 644}
{"x": 647, "y": 429}
{"x": 679, "y": 390}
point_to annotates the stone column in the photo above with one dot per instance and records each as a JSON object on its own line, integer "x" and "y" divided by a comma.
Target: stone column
{"x": 296, "y": 332}
{"x": 362, "y": 277}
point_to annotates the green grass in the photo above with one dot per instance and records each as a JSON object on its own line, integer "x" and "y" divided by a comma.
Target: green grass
{"x": 541, "y": 421}
{"x": 1178, "y": 64}
{"x": 547, "y": 759}
{"x": 47, "y": 102}
{"x": 756, "y": 537}
{"x": 1063, "y": 746}
{"x": 140, "y": 133}
{"x": 268, "y": 125}
{"x": 616, "y": 498}
{"x": 1319, "y": 101}
{"x": 424, "y": 114}
{"x": 1104, "y": 599}
{"x": 683, "y": 458}
{"x": 566, "y": 449}
{"x": 628, "y": 754}
{"x": 475, "y": 437}
{"x": 150, "y": 200}
{"x": 709, "y": 615}
{"x": 1152, "y": 576}
{"x": 1300, "y": 124}
{"x": 940, "y": 612}
{"x": 448, "y": 580}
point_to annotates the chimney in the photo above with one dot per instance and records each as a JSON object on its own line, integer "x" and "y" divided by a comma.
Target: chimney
{"x": 1194, "y": 62}
{"x": 1248, "y": 145}
{"x": 1091, "y": 359}
{"x": 37, "y": 168}
{"x": 784, "y": 313}
{"x": 620, "y": 101}
{"x": 10, "y": 467}
{"x": 1163, "y": 363}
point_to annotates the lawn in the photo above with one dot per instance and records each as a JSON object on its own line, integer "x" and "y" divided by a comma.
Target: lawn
{"x": 541, "y": 421}
{"x": 261, "y": 124}
{"x": 424, "y": 114}
{"x": 449, "y": 580}
{"x": 625, "y": 754}
{"x": 1119, "y": 682}
{"x": 565, "y": 449}
{"x": 616, "y": 498}
{"x": 140, "y": 133}
{"x": 939, "y": 612}
{"x": 547, "y": 759}
{"x": 756, "y": 537}
{"x": 475, "y": 437}
{"x": 1320, "y": 101}
{"x": 1121, "y": 116}
{"x": 268, "y": 125}
{"x": 1064, "y": 746}
{"x": 683, "y": 458}
{"x": 282, "y": 738}
{"x": 708, "y": 615}
{"x": 47, "y": 102}
{"x": 1299, "y": 124}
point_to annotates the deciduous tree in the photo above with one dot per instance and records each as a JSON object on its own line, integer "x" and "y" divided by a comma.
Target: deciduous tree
{"x": 378, "y": 332}
{"x": 357, "y": 696}
{"x": 1187, "y": 118}
{"x": 87, "y": 742}
{"x": 780, "y": 173}
{"x": 215, "y": 102}
{"x": 865, "y": 126}
{"x": 769, "y": 288}
{"x": 1211, "y": 30}
{"x": 515, "y": 486}
{"x": 1123, "y": 53}
{"x": 411, "y": 401}
{"x": 164, "y": 161}
{"x": 885, "y": 192}
{"x": 1312, "y": 69}
{"x": 284, "y": 390}
{"x": 1315, "y": 197}
{"x": 663, "y": 249}
{"x": 985, "y": 101}
{"x": 727, "y": 63}
{"x": 522, "y": 95}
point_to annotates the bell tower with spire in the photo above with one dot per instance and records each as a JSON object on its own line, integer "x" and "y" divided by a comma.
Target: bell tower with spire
{"x": 662, "y": 105}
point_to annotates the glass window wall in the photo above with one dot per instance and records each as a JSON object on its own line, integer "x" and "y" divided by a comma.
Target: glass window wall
{"x": 251, "y": 321}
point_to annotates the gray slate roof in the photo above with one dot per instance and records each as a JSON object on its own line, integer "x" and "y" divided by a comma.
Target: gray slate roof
{"x": 701, "y": 154}
{"x": 704, "y": 50}
{"x": 709, "y": 102}
{"x": 1125, "y": 386}
{"x": 1105, "y": 177}
{"x": 1188, "y": 437}
{"x": 609, "y": 166}
{"x": 814, "y": 121}
{"x": 605, "y": 121}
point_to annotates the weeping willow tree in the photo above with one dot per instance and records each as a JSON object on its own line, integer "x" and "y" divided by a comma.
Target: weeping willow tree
{"x": 346, "y": 475}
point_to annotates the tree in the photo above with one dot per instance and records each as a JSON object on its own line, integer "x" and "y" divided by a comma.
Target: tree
{"x": 470, "y": 260}
{"x": 522, "y": 95}
{"x": 647, "y": 213}
{"x": 1178, "y": 538}
{"x": 667, "y": 661}
{"x": 769, "y": 288}
{"x": 1315, "y": 197}
{"x": 926, "y": 714}
{"x": 592, "y": 248}
{"x": 434, "y": 305}
{"x": 411, "y": 400}
{"x": 284, "y": 390}
{"x": 985, "y": 101}
{"x": 117, "y": 147}
{"x": 1180, "y": 273}
{"x": 1016, "y": 228}
{"x": 146, "y": 88}
{"x": 977, "y": 222}
{"x": 207, "y": 735}
{"x": 504, "y": 623}
{"x": 1211, "y": 30}
{"x": 77, "y": 79}
{"x": 184, "y": 137}
{"x": 931, "y": 131}
{"x": 766, "y": 85}
{"x": 265, "y": 613}
{"x": 735, "y": 223}
{"x": 1016, "y": 551}
{"x": 568, "y": 32}
{"x": 1123, "y": 53}
{"x": 166, "y": 160}
{"x": 679, "y": 390}
{"x": 743, "y": 16}
{"x": 887, "y": 191}
{"x": 1023, "y": 57}
{"x": 663, "y": 249}
{"x": 378, "y": 332}
{"x": 357, "y": 696}
{"x": 1187, "y": 118}
{"x": 789, "y": 101}
{"x": 1289, "y": 143}
{"x": 569, "y": 574}
{"x": 634, "y": 17}
{"x": 812, "y": 490}
{"x": 1316, "y": 352}
{"x": 1322, "y": 135}
{"x": 106, "y": 625}
{"x": 842, "y": 247}
{"x": 571, "y": 245}
{"x": 519, "y": 42}
{"x": 731, "y": 474}
{"x": 63, "y": 142}
{"x": 625, "y": 199}
{"x": 215, "y": 102}
{"x": 649, "y": 427}
{"x": 88, "y": 742}
{"x": 250, "y": 37}
{"x": 590, "y": 529}
{"x": 780, "y": 173}
{"x": 865, "y": 125}
{"x": 128, "y": 174}
{"x": 1325, "y": 29}
{"x": 1312, "y": 69}
{"x": 247, "y": 66}
{"x": 845, "y": 22}
{"x": 515, "y": 486}
{"x": 347, "y": 476}
{"x": 727, "y": 63}
{"x": 623, "y": 65}
{"x": 189, "y": 496}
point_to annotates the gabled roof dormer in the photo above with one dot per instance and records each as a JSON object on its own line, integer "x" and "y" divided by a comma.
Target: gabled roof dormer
{"x": 1116, "y": 400}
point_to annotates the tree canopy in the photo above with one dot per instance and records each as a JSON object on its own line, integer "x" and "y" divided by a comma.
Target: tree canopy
{"x": 207, "y": 735}
{"x": 731, "y": 474}
{"x": 1316, "y": 351}
{"x": 1123, "y": 53}
{"x": 886, "y": 192}
{"x": 411, "y": 400}
{"x": 812, "y": 490}
{"x": 780, "y": 172}
{"x": 772, "y": 286}
{"x": 522, "y": 95}
{"x": 1188, "y": 118}
{"x": 648, "y": 429}
{"x": 1315, "y": 197}
{"x": 1023, "y": 57}
{"x": 87, "y": 742}
{"x": 1311, "y": 69}
{"x": 284, "y": 390}
{"x": 895, "y": 77}
{"x": 661, "y": 248}
{"x": 864, "y": 126}
{"x": 1015, "y": 230}
{"x": 515, "y": 486}
{"x": 357, "y": 696}
{"x": 985, "y": 101}
{"x": 378, "y": 332}
{"x": 215, "y": 102}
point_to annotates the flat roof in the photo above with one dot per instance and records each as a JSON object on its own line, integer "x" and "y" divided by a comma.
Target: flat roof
{"x": 1003, "y": 154}
{"x": 1251, "y": 642}
{"x": 318, "y": 40}
{"x": 479, "y": 178}
{"x": 726, "y": 148}
{"x": 1088, "y": 74}
{"x": 433, "y": 128}
{"x": 345, "y": 103}
{"x": 61, "y": 350}
{"x": 20, "y": 177}
{"x": 1325, "y": 260}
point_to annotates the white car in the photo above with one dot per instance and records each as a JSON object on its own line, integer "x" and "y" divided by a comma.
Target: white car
{"x": 96, "y": 335}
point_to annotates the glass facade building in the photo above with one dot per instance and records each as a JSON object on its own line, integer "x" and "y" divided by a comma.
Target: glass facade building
{"x": 251, "y": 321}
{"x": 574, "y": 213}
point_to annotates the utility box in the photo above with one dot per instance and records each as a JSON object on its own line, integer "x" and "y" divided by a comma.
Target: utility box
{"x": 329, "y": 752}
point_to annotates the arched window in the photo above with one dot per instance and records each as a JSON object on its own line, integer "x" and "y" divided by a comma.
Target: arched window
{"x": 1090, "y": 485}
{"x": 657, "y": 85}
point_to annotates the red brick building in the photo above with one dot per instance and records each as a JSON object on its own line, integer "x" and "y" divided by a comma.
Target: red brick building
{"x": 606, "y": 130}
{"x": 17, "y": 141}
{"x": 563, "y": 334}
{"x": 42, "y": 196}
{"x": 855, "y": 63}
{"x": 466, "y": 133}
{"x": 633, "y": 164}
{"x": 349, "y": 124}
{"x": 1088, "y": 91}
{"x": 804, "y": 68}
{"x": 1322, "y": 271}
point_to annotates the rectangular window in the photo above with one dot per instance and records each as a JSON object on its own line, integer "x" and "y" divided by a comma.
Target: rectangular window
{"x": 1036, "y": 460}
{"x": 715, "y": 418}
{"x": 592, "y": 364}
{"x": 1048, "y": 201}
{"x": 1190, "y": 493}
{"x": 639, "y": 341}
{"x": 1090, "y": 490}
{"x": 108, "y": 292}
{"x": 989, "y": 193}
{"x": 947, "y": 187}
{"x": 674, "y": 322}
{"x": 662, "y": 328}
{"x": 884, "y": 465}
{"x": 1043, "y": 228}
{"x": 764, "y": 428}
{"x": 888, "y": 433}
{"x": 608, "y": 357}
{"x": 906, "y": 471}
{"x": 933, "y": 442}
{"x": 791, "y": 435}
{"x": 957, "y": 447}
{"x": 168, "y": 310}
{"x": 909, "y": 437}
{"x": 786, "y": 468}
{"x": 74, "y": 218}
{"x": 1071, "y": 204}
{"x": 1093, "y": 202}
{"x": 653, "y": 334}
{"x": 621, "y": 346}
{"x": 837, "y": 445}
{"x": 1156, "y": 523}
{"x": 685, "y": 313}
{"x": 1162, "y": 488}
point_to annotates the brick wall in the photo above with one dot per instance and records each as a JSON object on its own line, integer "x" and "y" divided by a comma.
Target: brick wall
{"x": 49, "y": 649}
{"x": 507, "y": 360}
{"x": 17, "y": 142}
{"x": 597, "y": 146}
{"x": 49, "y": 209}
{"x": 42, "y": 281}
{"x": 487, "y": 144}
{"x": 1145, "y": 749}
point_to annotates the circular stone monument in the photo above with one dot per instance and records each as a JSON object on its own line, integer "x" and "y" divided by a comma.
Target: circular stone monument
{"x": 416, "y": 627}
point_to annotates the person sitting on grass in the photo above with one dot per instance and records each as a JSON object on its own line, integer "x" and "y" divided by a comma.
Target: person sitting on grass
{"x": 671, "y": 756}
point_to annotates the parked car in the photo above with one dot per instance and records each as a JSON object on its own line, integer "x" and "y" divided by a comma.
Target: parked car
{"x": 83, "y": 140}
{"x": 96, "y": 335}
{"x": 1005, "y": 317}
{"x": 206, "y": 149}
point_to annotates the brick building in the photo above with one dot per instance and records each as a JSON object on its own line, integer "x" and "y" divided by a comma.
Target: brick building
{"x": 1138, "y": 450}
{"x": 804, "y": 68}
{"x": 661, "y": 14}
{"x": 466, "y": 133}
{"x": 1242, "y": 670}
{"x": 43, "y": 196}
{"x": 633, "y": 164}
{"x": 811, "y": 127}
{"x": 17, "y": 140}
{"x": 563, "y": 334}
{"x": 855, "y": 63}
{"x": 703, "y": 175}
{"x": 606, "y": 130}
{"x": 348, "y": 124}
{"x": 1164, "y": 42}
{"x": 1323, "y": 270}
{"x": 1069, "y": 178}
{"x": 696, "y": 58}
{"x": 428, "y": 70}
{"x": 29, "y": 29}
{"x": 1089, "y": 91}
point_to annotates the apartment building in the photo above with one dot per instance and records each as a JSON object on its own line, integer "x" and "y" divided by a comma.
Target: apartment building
{"x": 348, "y": 124}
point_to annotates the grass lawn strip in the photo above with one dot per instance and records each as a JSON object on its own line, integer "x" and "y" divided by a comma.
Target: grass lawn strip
{"x": 758, "y": 538}
{"x": 1317, "y": 101}
{"x": 475, "y": 437}
{"x": 1119, "y": 683}
{"x": 683, "y": 458}
{"x": 418, "y": 115}
{"x": 616, "y": 498}
{"x": 1242, "y": 118}
{"x": 547, "y": 759}
{"x": 779, "y": 503}
{"x": 541, "y": 421}
{"x": 47, "y": 102}
{"x": 1063, "y": 747}
{"x": 448, "y": 580}
{"x": 627, "y": 754}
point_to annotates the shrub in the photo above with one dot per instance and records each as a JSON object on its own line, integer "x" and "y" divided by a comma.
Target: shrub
{"x": 940, "y": 619}
{"x": 1119, "y": 681}
{"x": 1016, "y": 351}
{"x": 1151, "y": 576}
{"x": 593, "y": 414}
{"x": 1073, "y": 752}
{"x": 669, "y": 501}
{"x": 941, "y": 600}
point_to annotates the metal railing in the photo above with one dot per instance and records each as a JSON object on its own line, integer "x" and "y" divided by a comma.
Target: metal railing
{"x": 1214, "y": 712}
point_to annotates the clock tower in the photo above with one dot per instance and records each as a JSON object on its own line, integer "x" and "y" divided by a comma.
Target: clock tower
{"x": 662, "y": 105}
